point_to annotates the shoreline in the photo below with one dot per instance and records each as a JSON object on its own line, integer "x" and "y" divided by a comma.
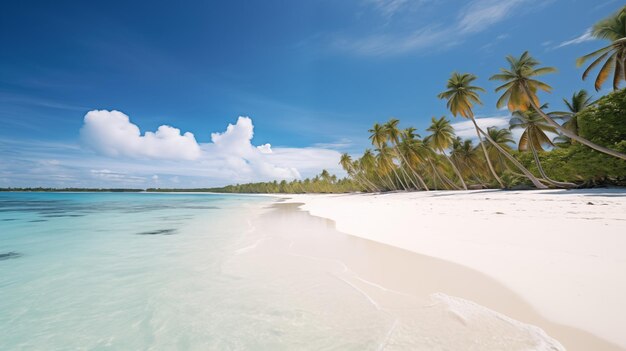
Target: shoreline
{"x": 543, "y": 245}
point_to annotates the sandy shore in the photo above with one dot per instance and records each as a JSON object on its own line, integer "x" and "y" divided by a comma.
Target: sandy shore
{"x": 562, "y": 252}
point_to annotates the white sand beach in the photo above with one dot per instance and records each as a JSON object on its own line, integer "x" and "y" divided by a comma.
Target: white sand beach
{"x": 562, "y": 252}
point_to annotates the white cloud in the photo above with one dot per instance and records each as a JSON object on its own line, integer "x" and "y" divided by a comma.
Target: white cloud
{"x": 466, "y": 128}
{"x": 230, "y": 158}
{"x": 480, "y": 14}
{"x": 111, "y": 176}
{"x": 475, "y": 17}
{"x": 388, "y": 8}
{"x": 111, "y": 133}
{"x": 392, "y": 44}
{"x": 234, "y": 147}
{"x": 586, "y": 36}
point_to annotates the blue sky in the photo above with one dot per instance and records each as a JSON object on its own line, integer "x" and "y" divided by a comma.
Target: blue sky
{"x": 311, "y": 76}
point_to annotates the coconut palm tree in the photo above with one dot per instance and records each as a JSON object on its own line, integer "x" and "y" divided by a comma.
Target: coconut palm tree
{"x": 534, "y": 138}
{"x": 370, "y": 168}
{"x": 466, "y": 155}
{"x": 378, "y": 136}
{"x": 520, "y": 92}
{"x": 384, "y": 162}
{"x": 462, "y": 96}
{"x": 393, "y": 136}
{"x": 579, "y": 101}
{"x": 613, "y": 29}
{"x": 441, "y": 138}
{"x": 409, "y": 149}
{"x": 502, "y": 138}
{"x": 349, "y": 166}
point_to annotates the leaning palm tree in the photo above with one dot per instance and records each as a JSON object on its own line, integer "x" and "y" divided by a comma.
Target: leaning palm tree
{"x": 579, "y": 101}
{"x": 370, "y": 169}
{"x": 613, "y": 29}
{"x": 441, "y": 137}
{"x": 520, "y": 92}
{"x": 464, "y": 152}
{"x": 410, "y": 153}
{"x": 384, "y": 161}
{"x": 349, "y": 166}
{"x": 502, "y": 138}
{"x": 462, "y": 96}
{"x": 394, "y": 135}
{"x": 534, "y": 138}
{"x": 378, "y": 136}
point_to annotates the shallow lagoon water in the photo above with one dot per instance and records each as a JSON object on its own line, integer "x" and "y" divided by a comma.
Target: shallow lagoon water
{"x": 192, "y": 272}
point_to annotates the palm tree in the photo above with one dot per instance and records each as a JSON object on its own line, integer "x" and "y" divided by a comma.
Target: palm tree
{"x": 462, "y": 96}
{"x": 613, "y": 29}
{"x": 464, "y": 152}
{"x": 393, "y": 136}
{"x": 384, "y": 161}
{"x": 409, "y": 147}
{"x": 441, "y": 139}
{"x": 580, "y": 100}
{"x": 369, "y": 167}
{"x": 502, "y": 138}
{"x": 349, "y": 166}
{"x": 378, "y": 136}
{"x": 534, "y": 138}
{"x": 520, "y": 93}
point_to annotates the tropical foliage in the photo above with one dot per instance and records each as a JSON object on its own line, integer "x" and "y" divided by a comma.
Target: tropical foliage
{"x": 613, "y": 56}
{"x": 322, "y": 183}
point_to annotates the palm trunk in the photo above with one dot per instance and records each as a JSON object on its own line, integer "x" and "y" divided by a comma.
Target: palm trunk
{"x": 482, "y": 145}
{"x": 406, "y": 175}
{"x": 569, "y": 133}
{"x": 362, "y": 183}
{"x": 423, "y": 184}
{"x": 513, "y": 160}
{"x": 456, "y": 170}
{"x": 393, "y": 168}
{"x": 367, "y": 181}
{"x": 540, "y": 167}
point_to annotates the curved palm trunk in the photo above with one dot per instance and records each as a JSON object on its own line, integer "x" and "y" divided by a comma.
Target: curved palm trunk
{"x": 569, "y": 133}
{"x": 406, "y": 175}
{"x": 482, "y": 146}
{"x": 362, "y": 183}
{"x": 513, "y": 160}
{"x": 387, "y": 183}
{"x": 541, "y": 170}
{"x": 392, "y": 184}
{"x": 449, "y": 181}
{"x": 393, "y": 168}
{"x": 456, "y": 170}
{"x": 444, "y": 180}
{"x": 407, "y": 178}
{"x": 371, "y": 184}
{"x": 419, "y": 179}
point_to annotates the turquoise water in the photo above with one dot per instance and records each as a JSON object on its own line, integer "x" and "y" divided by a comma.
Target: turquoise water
{"x": 107, "y": 270}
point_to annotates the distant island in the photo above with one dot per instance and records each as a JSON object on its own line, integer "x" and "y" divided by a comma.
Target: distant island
{"x": 73, "y": 190}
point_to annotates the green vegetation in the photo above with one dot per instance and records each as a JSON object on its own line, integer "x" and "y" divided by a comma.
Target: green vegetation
{"x": 322, "y": 183}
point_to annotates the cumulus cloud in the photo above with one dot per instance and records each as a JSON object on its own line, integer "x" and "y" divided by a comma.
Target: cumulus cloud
{"x": 234, "y": 146}
{"x": 466, "y": 129}
{"x": 111, "y": 133}
{"x": 124, "y": 156}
